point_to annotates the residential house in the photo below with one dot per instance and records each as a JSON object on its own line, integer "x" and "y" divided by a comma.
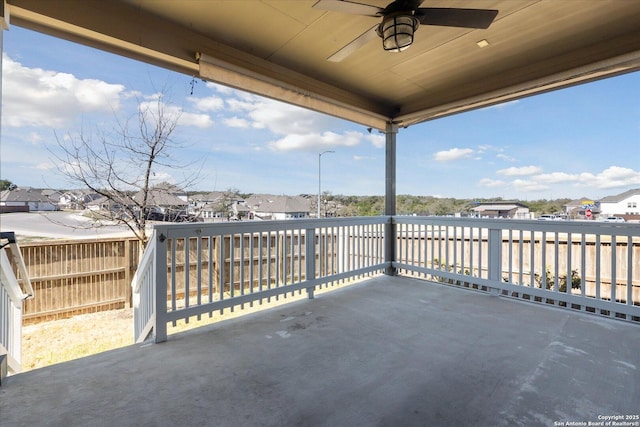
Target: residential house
{"x": 106, "y": 204}
{"x": 583, "y": 208}
{"x": 77, "y": 199}
{"x": 502, "y": 209}
{"x": 270, "y": 207}
{"x": 218, "y": 205}
{"x": 164, "y": 201}
{"x": 626, "y": 205}
{"x": 27, "y": 199}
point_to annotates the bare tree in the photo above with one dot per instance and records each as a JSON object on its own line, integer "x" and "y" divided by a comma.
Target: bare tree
{"x": 229, "y": 198}
{"x": 121, "y": 165}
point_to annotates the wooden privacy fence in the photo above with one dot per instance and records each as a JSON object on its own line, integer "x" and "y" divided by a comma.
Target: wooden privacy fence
{"x": 79, "y": 276}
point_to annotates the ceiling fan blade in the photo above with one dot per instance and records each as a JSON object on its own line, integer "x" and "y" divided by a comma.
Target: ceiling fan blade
{"x": 451, "y": 17}
{"x": 356, "y": 44}
{"x": 348, "y": 7}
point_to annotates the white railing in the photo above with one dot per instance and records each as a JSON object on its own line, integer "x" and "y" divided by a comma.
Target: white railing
{"x": 210, "y": 267}
{"x": 143, "y": 293}
{"x": 13, "y": 274}
{"x": 588, "y": 266}
{"x": 193, "y": 269}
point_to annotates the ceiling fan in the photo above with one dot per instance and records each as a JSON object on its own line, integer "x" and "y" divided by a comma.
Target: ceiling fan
{"x": 400, "y": 20}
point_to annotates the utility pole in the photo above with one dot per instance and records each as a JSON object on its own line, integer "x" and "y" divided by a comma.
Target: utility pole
{"x": 320, "y": 176}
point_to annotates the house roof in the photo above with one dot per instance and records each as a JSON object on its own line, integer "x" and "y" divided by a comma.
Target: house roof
{"x": 280, "y": 49}
{"x": 497, "y": 207}
{"x": 160, "y": 198}
{"x": 278, "y": 204}
{"x": 620, "y": 197}
{"x": 168, "y": 188}
{"x": 579, "y": 202}
{"x": 27, "y": 194}
{"x": 208, "y": 197}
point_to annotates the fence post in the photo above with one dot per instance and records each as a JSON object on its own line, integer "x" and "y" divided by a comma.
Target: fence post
{"x": 310, "y": 258}
{"x": 495, "y": 257}
{"x": 160, "y": 286}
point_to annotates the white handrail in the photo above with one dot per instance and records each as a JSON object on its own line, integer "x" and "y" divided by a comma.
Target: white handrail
{"x": 12, "y": 297}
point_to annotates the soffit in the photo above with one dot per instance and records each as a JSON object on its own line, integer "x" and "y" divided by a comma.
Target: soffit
{"x": 279, "y": 48}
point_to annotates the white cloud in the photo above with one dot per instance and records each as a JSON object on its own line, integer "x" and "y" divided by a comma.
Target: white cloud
{"x": 210, "y": 103}
{"x": 34, "y": 138}
{"x": 236, "y": 122}
{"x": 452, "y": 154}
{"x": 491, "y": 183}
{"x": 316, "y": 141}
{"x": 520, "y": 171}
{"x": 44, "y": 166}
{"x": 194, "y": 119}
{"x": 37, "y": 97}
{"x": 556, "y": 177}
{"x": 173, "y": 112}
{"x": 612, "y": 177}
{"x": 524, "y": 185}
{"x": 363, "y": 158}
{"x": 505, "y": 157}
{"x": 377, "y": 141}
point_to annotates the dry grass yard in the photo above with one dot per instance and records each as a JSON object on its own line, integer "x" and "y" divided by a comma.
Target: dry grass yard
{"x": 56, "y": 341}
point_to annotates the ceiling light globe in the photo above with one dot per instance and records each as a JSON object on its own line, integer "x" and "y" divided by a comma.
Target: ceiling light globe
{"x": 397, "y": 32}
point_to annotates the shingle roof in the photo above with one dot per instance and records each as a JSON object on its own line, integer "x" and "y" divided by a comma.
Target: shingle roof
{"x": 160, "y": 198}
{"x": 25, "y": 194}
{"x": 272, "y": 203}
{"x": 621, "y": 196}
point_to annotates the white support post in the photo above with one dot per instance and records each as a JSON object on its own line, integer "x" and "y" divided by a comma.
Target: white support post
{"x": 390, "y": 239}
{"x": 160, "y": 287}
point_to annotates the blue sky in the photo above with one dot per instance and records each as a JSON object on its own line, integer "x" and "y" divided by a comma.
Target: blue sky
{"x": 581, "y": 141}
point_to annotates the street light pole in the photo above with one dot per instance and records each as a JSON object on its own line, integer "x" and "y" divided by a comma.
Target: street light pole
{"x": 320, "y": 176}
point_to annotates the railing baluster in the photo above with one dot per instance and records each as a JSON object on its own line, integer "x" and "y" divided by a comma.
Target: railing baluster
{"x": 261, "y": 237}
{"x": 210, "y": 269}
{"x": 583, "y": 266}
{"x": 269, "y": 261}
{"x": 614, "y": 279}
{"x": 173, "y": 276}
{"x": 221, "y": 265}
{"x": 471, "y": 263}
{"x": 251, "y": 266}
{"x": 598, "y": 267}
{"x": 543, "y": 260}
{"x": 199, "y": 270}
{"x": 630, "y": 270}
{"x": 242, "y": 257}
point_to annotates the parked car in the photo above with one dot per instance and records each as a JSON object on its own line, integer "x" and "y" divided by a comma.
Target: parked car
{"x": 548, "y": 217}
{"x": 613, "y": 219}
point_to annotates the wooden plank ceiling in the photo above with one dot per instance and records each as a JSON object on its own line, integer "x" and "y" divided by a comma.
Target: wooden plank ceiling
{"x": 279, "y": 48}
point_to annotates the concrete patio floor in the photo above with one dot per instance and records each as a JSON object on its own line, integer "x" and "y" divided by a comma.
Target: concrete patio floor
{"x": 385, "y": 352}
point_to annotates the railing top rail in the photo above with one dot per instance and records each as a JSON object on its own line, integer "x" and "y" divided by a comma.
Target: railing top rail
{"x": 17, "y": 261}
{"x": 147, "y": 259}
{"x": 200, "y": 228}
{"x": 587, "y": 227}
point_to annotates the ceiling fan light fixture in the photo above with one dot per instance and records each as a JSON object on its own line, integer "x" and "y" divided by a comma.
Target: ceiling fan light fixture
{"x": 397, "y": 31}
